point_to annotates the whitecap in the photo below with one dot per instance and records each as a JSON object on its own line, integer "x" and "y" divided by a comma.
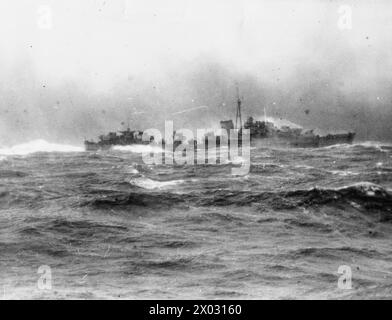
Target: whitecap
{"x": 366, "y": 187}
{"x": 379, "y": 146}
{"x": 139, "y": 148}
{"x": 147, "y": 183}
{"x": 344, "y": 173}
{"x": 133, "y": 170}
{"x": 337, "y": 146}
{"x": 38, "y": 146}
{"x": 304, "y": 166}
{"x": 236, "y": 160}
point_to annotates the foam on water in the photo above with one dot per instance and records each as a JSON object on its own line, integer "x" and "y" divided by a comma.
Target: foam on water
{"x": 368, "y": 187}
{"x": 379, "y": 146}
{"x": 133, "y": 170}
{"x": 132, "y": 228}
{"x": 337, "y": 146}
{"x": 139, "y": 148}
{"x": 344, "y": 173}
{"x": 38, "y": 146}
{"x": 150, "y": 184}
{"x": 304, "y": 166}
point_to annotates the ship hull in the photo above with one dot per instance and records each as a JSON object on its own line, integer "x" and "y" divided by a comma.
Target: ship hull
{"x": 323, "y": 141}
{"x": 303, "y": 142}
{"x": 96, "y": 146}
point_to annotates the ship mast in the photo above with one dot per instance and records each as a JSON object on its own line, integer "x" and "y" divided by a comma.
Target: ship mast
{"x": 238, "y": 114}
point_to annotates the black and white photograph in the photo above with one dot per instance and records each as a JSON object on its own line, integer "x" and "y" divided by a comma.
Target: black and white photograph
{"x": 194, "y": 150}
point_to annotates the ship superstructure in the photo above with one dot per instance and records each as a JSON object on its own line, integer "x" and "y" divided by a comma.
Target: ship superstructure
{"x": 123, "y": 138}
{"x": 270, "y": 134}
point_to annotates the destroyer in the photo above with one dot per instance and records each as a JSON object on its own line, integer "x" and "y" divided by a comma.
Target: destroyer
{"x": 265, "y": 133}
{"x": 129, "y": 137}
{"x": 269, "y": 134}
{"x": 124, "y": 138}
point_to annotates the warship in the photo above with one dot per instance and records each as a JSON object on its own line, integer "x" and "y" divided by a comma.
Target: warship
{"x": 124, "y": 138}
{"x": 262, "y": 132}
{"x": 268, "y": 133}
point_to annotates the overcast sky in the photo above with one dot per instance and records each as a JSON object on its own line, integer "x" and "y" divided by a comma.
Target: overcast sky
{"x": 73, "y": 68}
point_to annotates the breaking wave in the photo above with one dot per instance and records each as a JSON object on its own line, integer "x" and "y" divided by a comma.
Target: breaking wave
{"x": 363, "y": 191}
{"x": 147, "y": 183}
{"x": 373, "y": 144}
{"x": 361, "y": 195}
{"x": 38, "y": 146}
{"x": 380, "y": 146}
{"x": 344, "y": 173}
{"x": 139, "y": 148}
{"x": 160, "y": 219}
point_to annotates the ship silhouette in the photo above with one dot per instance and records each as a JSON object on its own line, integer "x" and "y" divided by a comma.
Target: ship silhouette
{"x": 124, "y": 138}
{"x": 262, "y": 133}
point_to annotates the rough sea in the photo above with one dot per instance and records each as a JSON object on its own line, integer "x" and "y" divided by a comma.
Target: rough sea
{"x": 107, "y": 225}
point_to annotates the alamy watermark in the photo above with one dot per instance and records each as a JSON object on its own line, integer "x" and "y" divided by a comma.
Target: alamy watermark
{"x": 45, "y": 280}
{"x": 345, "y": 20}
{"x": 207, "y": 147}
{"x": 345, "y": 280}
{"x": 44, "y": 17}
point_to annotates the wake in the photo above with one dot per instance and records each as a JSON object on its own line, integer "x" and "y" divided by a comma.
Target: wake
{"x": 38, "y": 146}
{"x": 139, "y": 148}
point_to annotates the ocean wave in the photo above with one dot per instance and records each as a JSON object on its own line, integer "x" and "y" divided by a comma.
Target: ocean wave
{"x": 304, "y": 166}
{"x": 371, "y": 143}
{"x": 377, "y": 145}
{"x": 371, "y": 195}
{"x": 150, "y": 184}
{"x": 358, "y": 196}
{"x": 337, "y": 146}
{"x": 132, "y": 170}
{"x": 368, "y": 188}
{"x": 331, "y": 252}
{"x": 361, "y": 188}
{"x": 139, "y": 148}
{"x": 38, "y": 146}
{"x": 235, "y": 161}
{"x": 142, "y": 199}
{"x": 12, "y": 174}
{"x": 344, "y": 173}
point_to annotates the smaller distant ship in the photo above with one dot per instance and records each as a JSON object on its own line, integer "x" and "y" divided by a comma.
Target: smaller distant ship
{"x": 124, "y": 138}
